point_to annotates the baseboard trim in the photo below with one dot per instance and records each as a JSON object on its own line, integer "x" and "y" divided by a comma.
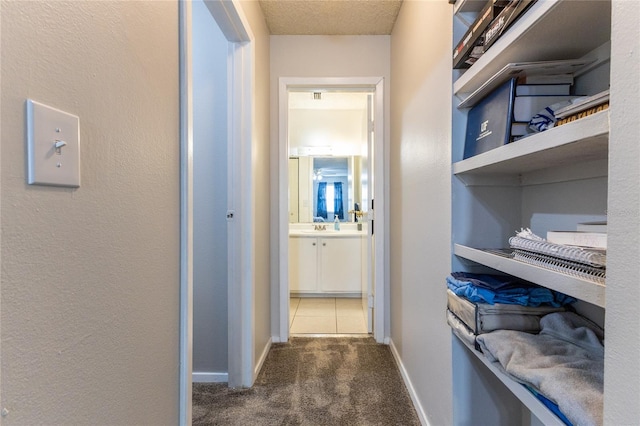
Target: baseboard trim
{"x": 407, "y": 381}
{"x": 205, "y": 377}
{"x": 263, "y": 357}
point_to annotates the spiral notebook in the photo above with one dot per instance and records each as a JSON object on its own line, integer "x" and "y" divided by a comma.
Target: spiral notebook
{"x": 568, "y": 267}
{"x": 575, "y": 261}
{"x": 596, "y": 258}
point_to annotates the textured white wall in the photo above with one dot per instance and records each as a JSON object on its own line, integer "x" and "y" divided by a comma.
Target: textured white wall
{"x": 318, "y": 56}
{"x": 622, "y": 348}
{"x": 420, "y": 200}
{"x": 261, "y": 179}
{"x": 344, "y": 130}
{"x": 90, "y": 276}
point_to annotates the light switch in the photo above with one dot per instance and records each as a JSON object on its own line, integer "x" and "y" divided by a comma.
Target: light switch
{"x": 53, "y": 146}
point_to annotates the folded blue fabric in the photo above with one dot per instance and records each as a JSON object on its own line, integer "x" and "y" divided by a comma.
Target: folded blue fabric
{"x": 492, "y": 289}
{"x": 550, "y": 405}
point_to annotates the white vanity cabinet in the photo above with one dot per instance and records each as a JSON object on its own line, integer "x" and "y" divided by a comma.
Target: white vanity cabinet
{"x": 325, "y": 265}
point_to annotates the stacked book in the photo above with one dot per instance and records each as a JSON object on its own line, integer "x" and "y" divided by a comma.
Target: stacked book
{"x": 583, "y": 107}
{"x": 491, "y": 23}
{"x": 507, "y": 113}
{"x": 578, "y": 253}
{"x": 535, "y": 106}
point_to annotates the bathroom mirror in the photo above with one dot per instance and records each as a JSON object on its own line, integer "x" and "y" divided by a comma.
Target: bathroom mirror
{"x": 327, "y": 139}
{"x": 322, "y": 187}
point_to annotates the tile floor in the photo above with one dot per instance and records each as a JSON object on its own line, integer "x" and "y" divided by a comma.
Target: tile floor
{"x": 312, "y": 315}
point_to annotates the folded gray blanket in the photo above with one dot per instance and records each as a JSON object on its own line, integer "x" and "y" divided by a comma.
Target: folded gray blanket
{"x": 564, "y": 362}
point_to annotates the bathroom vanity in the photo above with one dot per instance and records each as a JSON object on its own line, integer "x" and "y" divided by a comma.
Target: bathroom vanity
{"x": 326, "y": 262}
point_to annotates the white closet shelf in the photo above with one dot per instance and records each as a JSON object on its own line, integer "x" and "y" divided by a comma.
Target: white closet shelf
{"x": 549, "y": 30}
{"x": 576, "y": 142}
{"x": 586, "y": 290}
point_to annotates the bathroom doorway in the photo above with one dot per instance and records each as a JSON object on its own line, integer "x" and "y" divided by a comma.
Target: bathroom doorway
{"x": 333, "y": 267}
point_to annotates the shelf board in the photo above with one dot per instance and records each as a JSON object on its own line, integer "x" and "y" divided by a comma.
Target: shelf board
{"x": 586, "y": 290}
{"x": 576, "y": 142}
{"x": 549, "y": 30}
{"x": 534, "y": 405}
{"x": 464, "y": 6}
{"x": 567, "y": 66}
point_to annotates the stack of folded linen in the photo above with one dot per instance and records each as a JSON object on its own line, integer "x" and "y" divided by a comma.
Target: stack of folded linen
{"x": 562, "y": 365}
{"x": 481, "y": 303}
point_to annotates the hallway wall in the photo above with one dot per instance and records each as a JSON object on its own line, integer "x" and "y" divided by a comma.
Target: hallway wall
{"x": 420, "y": 199}
{"x": 90, "y": 276}
{"x": 317, "y": 56}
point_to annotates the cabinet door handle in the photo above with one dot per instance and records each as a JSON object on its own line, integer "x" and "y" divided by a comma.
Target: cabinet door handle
{"x": 324, "y": 244}
{"x": 314, "y": 244}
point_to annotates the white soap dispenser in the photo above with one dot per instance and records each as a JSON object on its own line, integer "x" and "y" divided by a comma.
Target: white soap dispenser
{"x": 336, "y": 223}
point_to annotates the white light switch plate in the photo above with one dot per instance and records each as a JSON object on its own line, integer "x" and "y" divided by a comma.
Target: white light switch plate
{"x": 47, "y": 128}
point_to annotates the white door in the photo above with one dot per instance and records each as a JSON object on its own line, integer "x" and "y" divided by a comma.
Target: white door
{"x": 368, "y": 251}
{"x": 294, "y": 214}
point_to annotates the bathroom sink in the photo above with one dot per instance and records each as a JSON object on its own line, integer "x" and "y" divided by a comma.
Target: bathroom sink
{"x": 327, "y": 232}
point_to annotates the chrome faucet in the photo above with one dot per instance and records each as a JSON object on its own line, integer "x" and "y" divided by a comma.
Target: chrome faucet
{"x": 319, "y": 227}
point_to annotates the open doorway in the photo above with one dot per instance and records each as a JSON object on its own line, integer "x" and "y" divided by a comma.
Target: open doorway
{"x": 238, "y": 67}
{"x": 329, "y": 131}
{"x": 330, "y": 244}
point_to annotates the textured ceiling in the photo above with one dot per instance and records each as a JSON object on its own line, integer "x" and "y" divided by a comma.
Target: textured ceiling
{"x": 330, "y": 17}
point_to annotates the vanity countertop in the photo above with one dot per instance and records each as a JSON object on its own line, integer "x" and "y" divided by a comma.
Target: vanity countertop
{"x": 329, "y": 233}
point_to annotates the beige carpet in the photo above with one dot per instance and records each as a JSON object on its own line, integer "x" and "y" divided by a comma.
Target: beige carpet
{"x": 314, "y": 381}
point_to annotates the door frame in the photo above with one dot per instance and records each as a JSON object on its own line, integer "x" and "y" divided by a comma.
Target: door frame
{"x": 380, "y": 266}
{"x": 240, "y": 64}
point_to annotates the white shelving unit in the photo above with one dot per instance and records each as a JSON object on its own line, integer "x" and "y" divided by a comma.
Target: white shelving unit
{"x": 582, "y": 289}
{"x": 549, "y": 30}
{"x": 541, "y": 168}
{"x": 576, "y": 142}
